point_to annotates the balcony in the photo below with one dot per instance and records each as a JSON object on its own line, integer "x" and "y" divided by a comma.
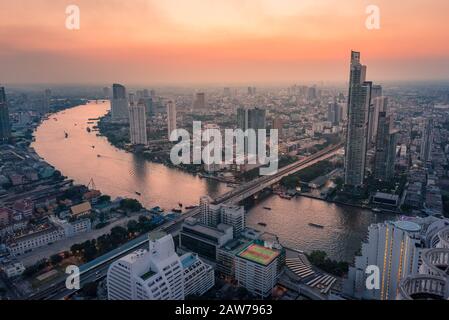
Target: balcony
{"x": 424, "y": 287}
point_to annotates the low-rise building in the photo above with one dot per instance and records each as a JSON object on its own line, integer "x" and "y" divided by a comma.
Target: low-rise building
{"x": 82, "y": 209}
{"x": 27, "y": 242}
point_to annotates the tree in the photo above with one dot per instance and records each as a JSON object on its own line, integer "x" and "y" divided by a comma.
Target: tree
{"x": 90, "y": 289}
{"x": 130, "y": 204}
{"x": 133, "y": 226}
{"x": 56, "y": 259}
{"x": 118, "y": 235}
{"x": 104, "y": 198}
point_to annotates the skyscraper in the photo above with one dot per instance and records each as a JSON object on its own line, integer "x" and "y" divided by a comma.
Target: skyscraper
{"x": 385, "y": 156}
{"x": 426, "y": 140}
{"x": 334, "y": 113}
{"x": 358, "y": 109}
{"x": 119, "y": 103}
{"x": 374, "y": 109}
{"x": 199, "y": 102}
{"x": 138, "y": 123}
{"x": 46, "y": 101}
{"x": 106, "y": 93}
{"x": 278, "y": 124}
{"x": 255, "y": 119}
{"x": 5, "y": 127}
{"x": 171, "y": 117}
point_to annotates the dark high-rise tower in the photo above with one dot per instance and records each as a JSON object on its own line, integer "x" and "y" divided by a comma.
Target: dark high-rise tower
{"x": 251, "y": 119}
{"x": 385, "y": 156}
{"x": 359, "y": 100}
{"x": 119, "y": 103}
{"x": 5, "y": 127}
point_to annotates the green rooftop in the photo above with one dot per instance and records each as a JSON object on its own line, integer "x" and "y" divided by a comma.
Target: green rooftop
{"x": 259, "y": 254}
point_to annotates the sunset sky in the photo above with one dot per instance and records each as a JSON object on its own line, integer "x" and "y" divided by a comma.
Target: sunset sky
{"x": 220, "y": 41}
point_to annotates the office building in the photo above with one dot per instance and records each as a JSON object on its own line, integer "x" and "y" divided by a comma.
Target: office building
{"x": 379, "y": 104}
{"x": 46, "y": 101}
{"x": 199, "y": 102}
{"x": 278, "y": 124}
{"x": 256, "y": 268}
{"x": 254, "y": 118}
{"x": 106, "y": 93}
{"x": 394, "y": 247}
{"x": 119, "y": 103}
{"x": 171, "y": 117}
{"x": 334, "y": 113}
{"x": 357, "y": 130}
{"x": 426, "y": 140}
{"x": 374, "y": 109}
{"x": 138, "y": 123}
{"x": 5, "y": 126}
{"x": 158, "y": 274}
{"x": 202, "y": 239}
{"x": 234, "y": 216}
{"x": 385, "y": 156}
{"x": 212, "y": 215}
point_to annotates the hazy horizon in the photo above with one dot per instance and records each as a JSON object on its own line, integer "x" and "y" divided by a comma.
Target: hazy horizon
{"x": 233, "y": 42}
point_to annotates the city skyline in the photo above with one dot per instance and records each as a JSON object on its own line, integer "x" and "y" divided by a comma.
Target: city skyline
{"x": 225, "y": 42}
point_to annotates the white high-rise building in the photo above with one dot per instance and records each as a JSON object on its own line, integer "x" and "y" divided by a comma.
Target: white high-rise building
{"x": 171, "y": 117}
{"x": 138, "y": 124}
{"x": 234, "y": 216}
{"x": 395, "y": 248}
{"x": 210, "y": 213}
{"x": 119, "y": 103}
{"x": 158, "y": 274}
{"x": 432, "y": 281}
{"x": 256, "y": 269}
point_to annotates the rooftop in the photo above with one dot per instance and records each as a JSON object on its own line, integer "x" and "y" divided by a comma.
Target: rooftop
{"x": 259, "y": 254}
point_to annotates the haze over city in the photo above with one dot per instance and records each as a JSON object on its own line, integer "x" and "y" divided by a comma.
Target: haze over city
{"x": 221, "y": 42}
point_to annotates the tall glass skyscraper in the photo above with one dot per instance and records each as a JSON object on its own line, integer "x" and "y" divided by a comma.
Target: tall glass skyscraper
{"x": 5, "y": 127}
{"x": 359, "y": 99}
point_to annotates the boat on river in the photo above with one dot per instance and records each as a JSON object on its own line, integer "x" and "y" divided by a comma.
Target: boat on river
{"x": 316, "y": 225}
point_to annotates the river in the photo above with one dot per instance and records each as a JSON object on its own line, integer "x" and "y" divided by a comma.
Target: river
{"x": 121, "y": 174}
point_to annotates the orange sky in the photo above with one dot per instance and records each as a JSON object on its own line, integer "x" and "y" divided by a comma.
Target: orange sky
{"x": 220, "y": 41}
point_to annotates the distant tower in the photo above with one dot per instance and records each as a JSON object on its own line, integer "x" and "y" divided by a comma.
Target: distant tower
{"x": 255, "y": 119}
{"x": 5, "y": 127}
{"x": 200, "y": 101}
{"x": 426, "y": 140}
{"x": 358, "y": 109}
{"x": 46, "y": 102}
{"x": 119, "y": 104}
{"x": 334, "y": 113}
{"x": 138, "y": 124}
{"x": 278, "y": 125}
{"x": 106, "y": 93}
{"x": 171, "y": 117}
